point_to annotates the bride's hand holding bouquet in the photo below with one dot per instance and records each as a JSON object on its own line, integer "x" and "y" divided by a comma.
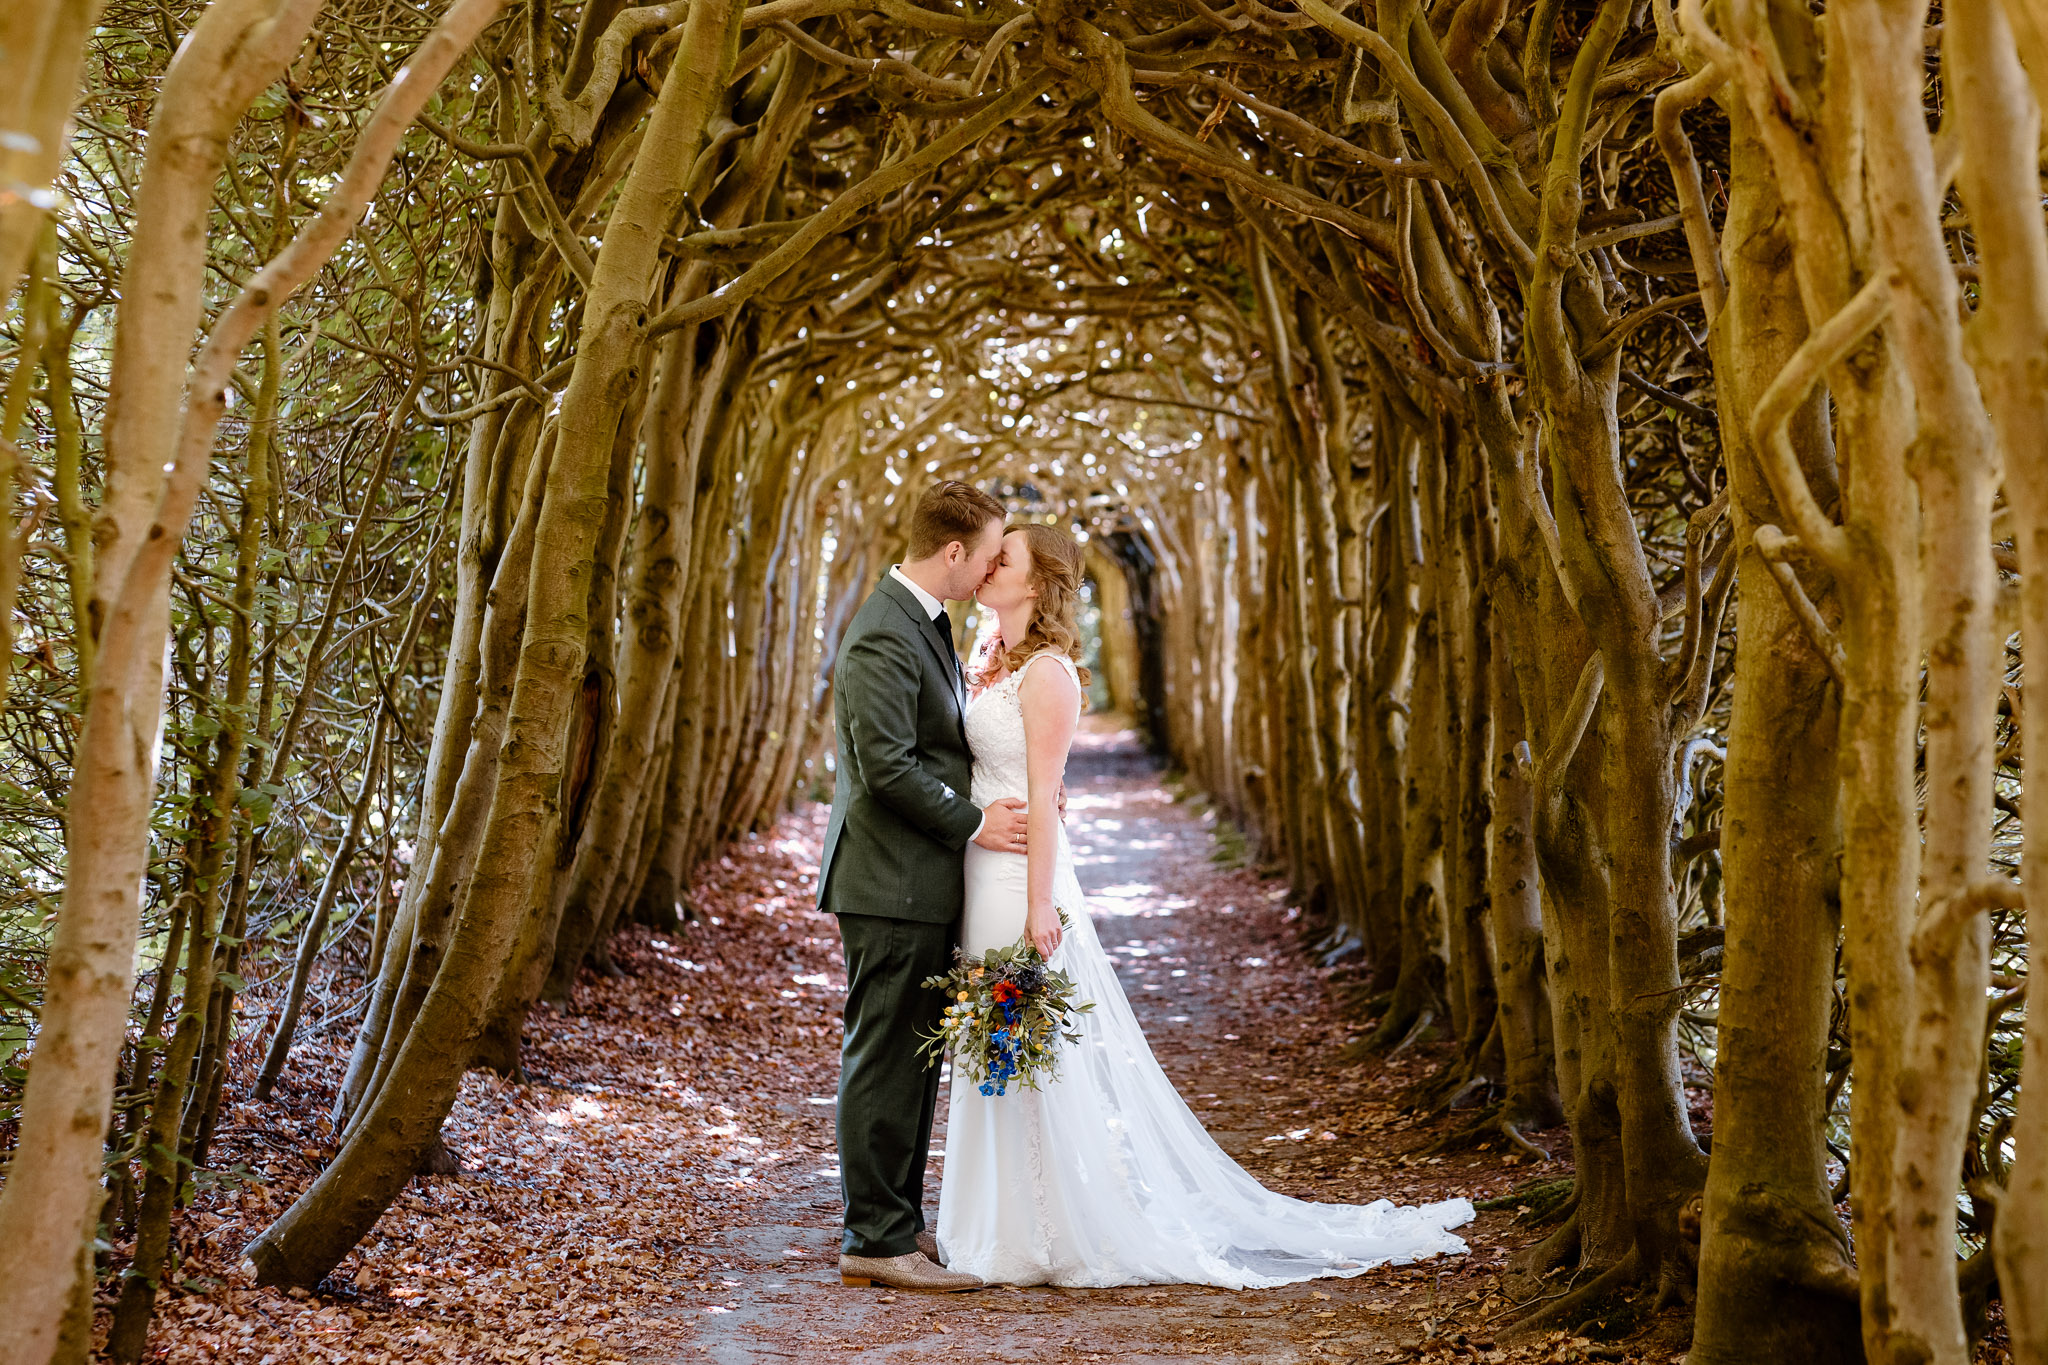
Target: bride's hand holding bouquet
{"x": 1043, "y": 929}
{"x": 1006, "y": 1015}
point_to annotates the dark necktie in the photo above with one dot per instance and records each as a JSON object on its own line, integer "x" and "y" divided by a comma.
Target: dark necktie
{"x": 941, "y": 627}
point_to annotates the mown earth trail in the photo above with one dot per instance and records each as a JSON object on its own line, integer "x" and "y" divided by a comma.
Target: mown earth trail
{"x": 663, "y": 1185}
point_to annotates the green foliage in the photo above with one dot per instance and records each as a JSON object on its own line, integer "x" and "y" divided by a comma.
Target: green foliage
{"x": 1231, "y": 849}
{"x": 345, "y": 353}
{"x": 1534, "y": 1202}
{"x": 1007, "y": 1015}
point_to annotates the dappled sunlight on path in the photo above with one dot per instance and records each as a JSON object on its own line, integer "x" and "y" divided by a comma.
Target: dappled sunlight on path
{"x": 1210, "y": 957}
{"x": 663, "y": 1185}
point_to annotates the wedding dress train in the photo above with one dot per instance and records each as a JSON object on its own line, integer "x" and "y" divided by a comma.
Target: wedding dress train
{"x": 1104, "y": 1176}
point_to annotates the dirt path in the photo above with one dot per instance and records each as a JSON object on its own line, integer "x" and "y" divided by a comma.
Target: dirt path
{"x": 663, "y": 1186}
{"x": 1209, "y": 957}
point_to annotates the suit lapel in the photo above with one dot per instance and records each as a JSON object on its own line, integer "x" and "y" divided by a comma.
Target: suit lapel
{"x": 941, "y": 645}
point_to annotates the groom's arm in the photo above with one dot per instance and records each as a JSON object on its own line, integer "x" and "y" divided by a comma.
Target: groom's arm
{"x": 878, "y": 676}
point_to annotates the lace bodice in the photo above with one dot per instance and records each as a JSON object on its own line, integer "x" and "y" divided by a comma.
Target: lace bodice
{"x": 995, "y": 734}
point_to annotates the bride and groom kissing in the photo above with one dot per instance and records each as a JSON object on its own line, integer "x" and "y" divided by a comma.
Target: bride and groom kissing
{"x": 946, "y": 834}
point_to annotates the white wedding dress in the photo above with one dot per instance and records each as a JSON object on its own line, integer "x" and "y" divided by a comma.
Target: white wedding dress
{"x": 1104, "y": 1176}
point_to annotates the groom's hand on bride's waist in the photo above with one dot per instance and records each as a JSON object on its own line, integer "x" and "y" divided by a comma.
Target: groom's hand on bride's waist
{"x": 1002, "y": 826}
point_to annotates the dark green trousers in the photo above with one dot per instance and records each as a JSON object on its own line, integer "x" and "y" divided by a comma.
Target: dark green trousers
{"x": 887, "y": 1092}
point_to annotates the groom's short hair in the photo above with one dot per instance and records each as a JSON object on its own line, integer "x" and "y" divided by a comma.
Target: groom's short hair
{"x": 950, "y": 510}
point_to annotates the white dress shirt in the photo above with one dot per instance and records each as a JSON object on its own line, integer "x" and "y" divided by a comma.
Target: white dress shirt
{"x": 935, "y": 609}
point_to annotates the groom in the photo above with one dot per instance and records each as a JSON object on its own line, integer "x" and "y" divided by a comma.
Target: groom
{"x": 892, "y": 873}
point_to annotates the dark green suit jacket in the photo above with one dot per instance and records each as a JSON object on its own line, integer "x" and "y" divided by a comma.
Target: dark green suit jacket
{"x": 900, "y": 809}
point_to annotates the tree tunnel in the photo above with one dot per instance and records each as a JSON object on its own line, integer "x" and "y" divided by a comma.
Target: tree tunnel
{"x": 1562, "y": 477}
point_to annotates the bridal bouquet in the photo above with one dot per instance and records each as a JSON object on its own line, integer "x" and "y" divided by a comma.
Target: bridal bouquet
{"x": 1008, "y": 1012}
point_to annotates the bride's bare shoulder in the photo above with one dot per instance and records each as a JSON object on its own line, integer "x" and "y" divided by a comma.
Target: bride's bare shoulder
{"x": 1049, "y": 684}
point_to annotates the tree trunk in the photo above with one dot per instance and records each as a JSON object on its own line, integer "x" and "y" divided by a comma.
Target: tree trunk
{"x": 525, "y": 278}
{"x": 404, "y": 1116}
{"x": 45, "y": 44}
{"x": 1775, "y": 1276}
{"x": 1953, "y": 462}
{"x": 1514, "y": 903}
{"x": 237, "y": 48}
{"x": 592, "y": 736}
{"x": 2000, "y": 127}
{"x": 660, "y": 555}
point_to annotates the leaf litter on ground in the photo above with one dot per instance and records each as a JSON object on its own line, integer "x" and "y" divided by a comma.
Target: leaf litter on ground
{"x": 691, "y": 1097}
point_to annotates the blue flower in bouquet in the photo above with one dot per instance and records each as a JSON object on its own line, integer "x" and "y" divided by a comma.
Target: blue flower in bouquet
{"x": 1007, "y": 1015}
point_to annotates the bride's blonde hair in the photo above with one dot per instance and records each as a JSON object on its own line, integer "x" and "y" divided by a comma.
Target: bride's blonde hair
{"x": 1056, "y": 572}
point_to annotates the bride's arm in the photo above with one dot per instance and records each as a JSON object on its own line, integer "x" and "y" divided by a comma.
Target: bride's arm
{"x": 1051, "y": 702}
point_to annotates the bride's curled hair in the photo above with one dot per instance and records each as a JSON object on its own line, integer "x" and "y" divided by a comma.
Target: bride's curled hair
{"x": 1056, "y": 571}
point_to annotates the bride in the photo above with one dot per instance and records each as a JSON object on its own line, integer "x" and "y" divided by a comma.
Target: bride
{"x": 1104, "y": 1176}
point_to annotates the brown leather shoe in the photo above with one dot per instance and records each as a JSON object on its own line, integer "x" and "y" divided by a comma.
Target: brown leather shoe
{"x": 909, "y": 1271}
{"x": 928, "y": 1243}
